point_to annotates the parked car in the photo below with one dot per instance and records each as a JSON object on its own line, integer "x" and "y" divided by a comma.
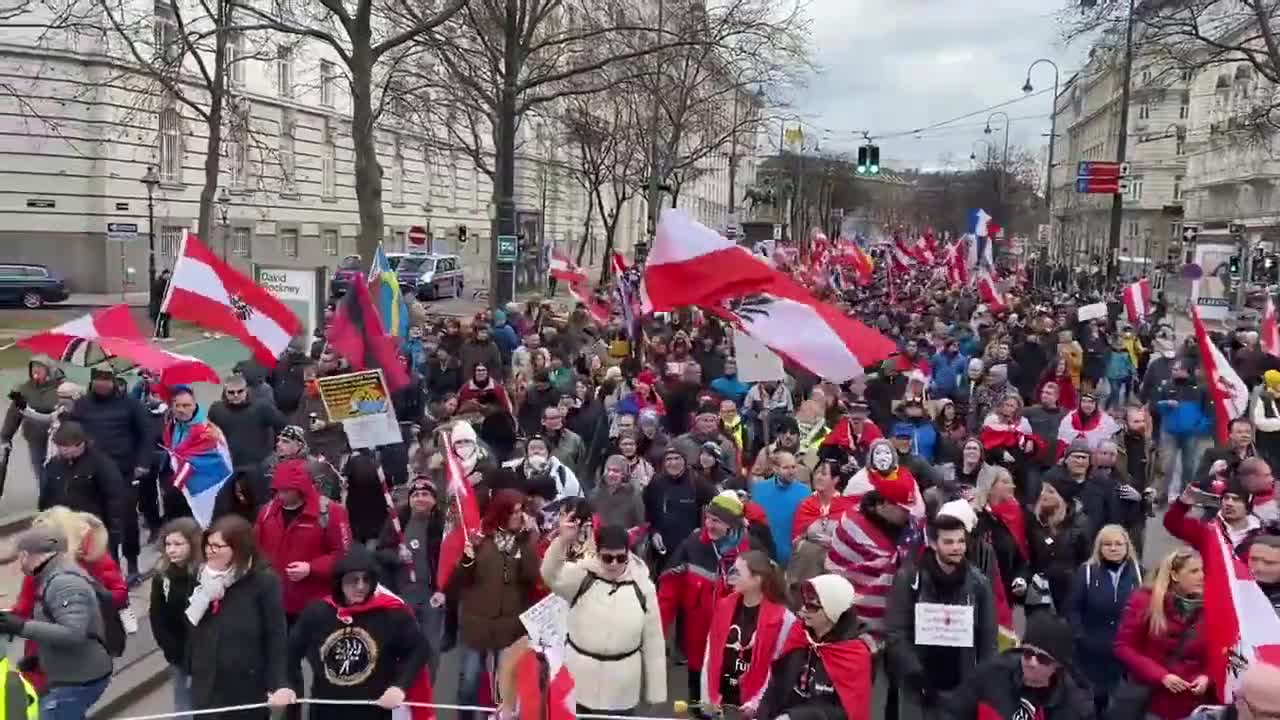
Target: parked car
{"x": 430, "y": 276}
{"x": 31, "y": 285}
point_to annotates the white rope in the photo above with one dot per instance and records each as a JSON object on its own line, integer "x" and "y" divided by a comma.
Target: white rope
{"x": 314, "y": 701}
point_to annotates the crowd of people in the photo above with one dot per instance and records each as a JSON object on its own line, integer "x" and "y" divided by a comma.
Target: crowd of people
{"x": 963, "y": 526}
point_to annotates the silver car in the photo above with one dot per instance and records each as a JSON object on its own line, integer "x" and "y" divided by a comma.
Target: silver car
{"x": 430, "y": 276}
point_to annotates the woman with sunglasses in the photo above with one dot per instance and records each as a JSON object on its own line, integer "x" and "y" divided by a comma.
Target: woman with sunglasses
{"x": 746, "y": 634}
{"x": 615, "y": 642}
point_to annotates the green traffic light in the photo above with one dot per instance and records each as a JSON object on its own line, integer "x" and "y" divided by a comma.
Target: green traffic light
{"x": 875, "y": 169}
{"x": 862, "y": 170}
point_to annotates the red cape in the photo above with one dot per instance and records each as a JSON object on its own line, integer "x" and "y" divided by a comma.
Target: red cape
{"x": 769, "y": 627}
{"x": 1009, "y": 514}
{"x": 810, "y": 511}
{"x": 382, "y": 599}
{"x": 848, "y": 663}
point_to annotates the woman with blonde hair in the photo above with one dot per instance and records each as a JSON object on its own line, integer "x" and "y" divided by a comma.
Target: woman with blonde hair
{"x": 1058, "y": 537}
{"x": 1161, "y": 645}
{"x": 1100, "y": 590}
{"x": 87, "y": 539}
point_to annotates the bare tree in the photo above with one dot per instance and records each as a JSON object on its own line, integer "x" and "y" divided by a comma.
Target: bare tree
{"x": 373, "y": 40}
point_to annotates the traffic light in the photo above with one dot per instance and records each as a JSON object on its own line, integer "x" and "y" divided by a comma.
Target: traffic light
{"x": 1233, "y": 265}
{"x": 462, "y": 234}
{"x": 873, "y": 168}
{"x": 864, "y": 154}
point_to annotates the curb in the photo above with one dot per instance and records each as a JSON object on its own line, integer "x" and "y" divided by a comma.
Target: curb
{"x": 142, "y": 677}
{"x": 17, "y": 524}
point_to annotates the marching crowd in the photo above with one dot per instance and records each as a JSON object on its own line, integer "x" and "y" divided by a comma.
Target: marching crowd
{"x": 792, "y": 542}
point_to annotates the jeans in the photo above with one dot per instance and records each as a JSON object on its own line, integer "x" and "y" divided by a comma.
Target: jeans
{"x": 181, "y": 691}
{"x": 432, "y": 621}
{"x": 38, "y": 447}
{"x": 1175, "y": 450}
{"x": 1119, "y": 394}
{"x": 471, "y": 667}
{"x": 71, "y": 702}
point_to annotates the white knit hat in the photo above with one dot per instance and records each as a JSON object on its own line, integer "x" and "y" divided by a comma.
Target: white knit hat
{"x": 962, "y": 511}
{"x": 835, "y": 594}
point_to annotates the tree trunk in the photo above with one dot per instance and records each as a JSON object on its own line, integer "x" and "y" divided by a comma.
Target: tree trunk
{"x": 368, "y": 174}
{"x": 213, "y": 141}
{"x": 586, "y": 235}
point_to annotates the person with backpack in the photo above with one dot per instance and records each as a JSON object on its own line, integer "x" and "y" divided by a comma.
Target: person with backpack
{"x": 612, "y": 590}
{"x": 67, "y": 624}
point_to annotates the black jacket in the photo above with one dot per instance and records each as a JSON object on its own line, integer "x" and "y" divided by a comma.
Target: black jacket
{"x": 90, "y": 483}
{"x": 674, "y": 506}
{"x": 250, "y": 429}
{"x": 286, "y": 381}
{"x": 993, "y": 693}
{"x": 425, "y": 555}
{"x": 119, "y": 425}
{"x": 170, "y": 592}
{"x": 1098, "y": 498}
{"x": 238, "y": 653}
{"x": 802, "y": 671}
{"x": 379, "y": 647}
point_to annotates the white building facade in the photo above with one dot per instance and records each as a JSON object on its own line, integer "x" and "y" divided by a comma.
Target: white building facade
{"x": 80, "y": 127}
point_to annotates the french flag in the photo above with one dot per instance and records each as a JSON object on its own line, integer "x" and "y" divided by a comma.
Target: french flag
{"x": 1137, "y": 300}
{"x": 463, "y": 519}
{"x": 201, "y": 464}
{"x": 983, "y": 229}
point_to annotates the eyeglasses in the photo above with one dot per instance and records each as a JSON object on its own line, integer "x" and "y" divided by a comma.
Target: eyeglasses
{"x": 210, "y": 545}
{"x": 613, "y": 558}
{"x": 812, "y": 607}
{"x": 241, "y": 391}
{"x": 1041, "y": 657}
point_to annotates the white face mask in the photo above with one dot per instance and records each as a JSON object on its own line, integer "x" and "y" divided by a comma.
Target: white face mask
{"x": 538, "y": 462}
{"x": 882, "y": 458}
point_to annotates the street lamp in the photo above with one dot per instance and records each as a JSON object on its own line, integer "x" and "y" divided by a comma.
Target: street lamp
{"x": 1004, "y": 165}
{"x": 224, "y": 207}
{"x": 973, "y": 152}
{"x": 151, "y": 179}
{"x": 1053, "y": 129}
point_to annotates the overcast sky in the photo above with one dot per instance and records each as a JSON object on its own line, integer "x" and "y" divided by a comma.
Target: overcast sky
{"x": 890, "y": 66}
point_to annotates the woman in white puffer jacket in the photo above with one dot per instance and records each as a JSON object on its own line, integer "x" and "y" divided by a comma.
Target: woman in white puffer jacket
{"x": 615, "y": 643}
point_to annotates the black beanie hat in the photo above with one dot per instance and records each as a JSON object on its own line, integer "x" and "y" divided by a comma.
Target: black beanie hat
{"x": 1052, "y": 634}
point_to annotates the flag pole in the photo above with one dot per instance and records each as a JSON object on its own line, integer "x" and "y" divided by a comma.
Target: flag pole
{"x": 168, "y": 291}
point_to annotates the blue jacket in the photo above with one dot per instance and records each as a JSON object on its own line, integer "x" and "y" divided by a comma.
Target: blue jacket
{"x": 1182, "y": 408}
{"x": 924, "y": 439}
{"x": 507, "y": 340}
{"x": 946, "y": 371}
{"x": 730, "y": 388}
{"x": 1094, "y": 608}
{"x": 780, "y": 504}
{"x": 1119, "y": 365}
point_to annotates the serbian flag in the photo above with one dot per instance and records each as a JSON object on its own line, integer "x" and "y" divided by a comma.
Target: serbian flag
{"x": 1270, "y": 336}
{"x": 544, "y": 686}
{"x": 111, "y": 332}
{"x": 462, "y": 519}
{"x": 562, "y": 268}
{"x": 581, "y": 292}
{"x": 1137, "y": 300}
{"x": 1229, "y": 393}
{"x": 1245, "y": 626}
{"x": 691, "y": 264}
{"x": 383, "y": 599}
{"x": 210, "y": 293}
{"x": 989, "y": 291}
{"x": 201, "y": 464}
{"x": 357, "y": 333}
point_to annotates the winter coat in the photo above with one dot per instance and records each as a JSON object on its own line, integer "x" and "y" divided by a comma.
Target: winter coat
{"x": 690, "y": 445}
{"x": 286, "y": 382}
{"x": 780, "y": 503}
{"x": 1044, "y": 423}
{"x": 250, "y": 429}
{"x": 442, "y": 380}
{"x": 422, "y": 535}
{"x": 802, "y": 664}
{"x": 620, "y": 507}
{"x": 1119, "y": 367}
{"x": 238, "y": 651}
{"x": 1057, "y": 554}
{"x": 90, "y": 483}
{"x": 170, "y": 591}
{"x": 993, "y": 694}
{"x": 330, "y": 441}
{"x": 66, "y": 624}
{"x": 610, "y": 667}
{"x": 1094, "y": 608}
{"x": 383, "y": 634}
{"x": 493, "y": 589}
{"x": 1147, "y": 658}
{"x": 118, "y": 425}
{"x": 673, "y": 506}
{"x": 1266, "y": 418}
{"x": 474, "y": 352}
{"x": 320, "y": 535}
{"x": 946, "y": 370}
{"x": 40, "y": 397}
{"x": 1182, "y": 408}
{"x": 569, "y": 449}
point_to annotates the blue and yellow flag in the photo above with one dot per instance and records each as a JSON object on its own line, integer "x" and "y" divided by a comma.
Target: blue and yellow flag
{"x": 384, "y": 287}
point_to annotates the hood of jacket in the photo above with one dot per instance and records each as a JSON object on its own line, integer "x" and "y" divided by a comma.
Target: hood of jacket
{"x": 357, "y": 559}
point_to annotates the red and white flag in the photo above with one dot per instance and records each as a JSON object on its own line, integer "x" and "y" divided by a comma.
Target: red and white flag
{"x": 1228, "y": 392}
{"x": 1270, "y": 336}
{"x": 1137, "y": 300}
{"x": 111, "y": 332}
{"x": 762, "y": 302}
{"x": 562, "y": 268}
{"x": 617, "y": 264}
{"x": 1245, "y": 626}
{"x": 545, "y": 693}
{"x": 210, "y": 293}
{"x": 583, "y": 293}
{"x": 989, "y": 291}
{"x": 957, "y": 265}
{"x": 463, "y": 518}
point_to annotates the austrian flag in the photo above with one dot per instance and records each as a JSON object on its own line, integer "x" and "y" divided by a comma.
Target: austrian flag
{"x": 1137, "y": 300}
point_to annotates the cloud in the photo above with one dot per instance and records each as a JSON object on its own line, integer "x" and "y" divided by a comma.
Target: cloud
{"x": 890, "y": 66}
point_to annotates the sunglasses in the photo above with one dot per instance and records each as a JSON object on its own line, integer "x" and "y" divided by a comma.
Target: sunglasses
{"x": 613, "y": 558}
{"x": 1041, "y": 657}
{"x": 812, "y": 607}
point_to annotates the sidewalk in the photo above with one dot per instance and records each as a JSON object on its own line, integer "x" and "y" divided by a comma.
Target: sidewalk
{"x": 133, "y": 299}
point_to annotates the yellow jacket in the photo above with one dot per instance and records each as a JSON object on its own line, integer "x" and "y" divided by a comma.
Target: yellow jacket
{"x": 17, "y": 696}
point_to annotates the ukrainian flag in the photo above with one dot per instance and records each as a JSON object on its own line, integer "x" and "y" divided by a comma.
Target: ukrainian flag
{"x": 384, "y": 288}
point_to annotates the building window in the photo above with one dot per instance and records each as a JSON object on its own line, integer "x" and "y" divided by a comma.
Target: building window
{"x": 1186, "y": 76}
{"x": 1180, "y": 145}
{"x": 1184, "y": 111}
{"x": 289, "y": 243}
{"x": 330, "y": 238}
{"x": 1133, "y": 229}
{"x": 171, "y": 240}
{"x": 170, "y": 161}
{"x": 1144, "y": 111}
{"x": 288, "y": 155}
{"x": 237, "y": 162}
{"x": 240, "y": 242}
{"x": 427, "y": 177}
{"x": 1175, "y": 231}
{"x": 1146, "y": 77}
{"x": 452, "y": 179}
{"x": 1177, "y": 188}
{"x": 235, "y": 59}
{"x": 397, "y": 173}
{"x": 328, "y": 162}
{"x": 284, "y": 71}
{"x": 475, "y": 185}
{"x": 1135, "y": 188}
{"x": 168, "y": 46}
{"x": 328, "y": 77}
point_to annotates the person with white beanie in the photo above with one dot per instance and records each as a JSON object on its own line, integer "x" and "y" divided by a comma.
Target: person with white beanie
{"x": 825, "y": 669}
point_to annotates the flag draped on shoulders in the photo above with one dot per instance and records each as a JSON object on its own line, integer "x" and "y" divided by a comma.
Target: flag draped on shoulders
{"x": 201, "y": 463}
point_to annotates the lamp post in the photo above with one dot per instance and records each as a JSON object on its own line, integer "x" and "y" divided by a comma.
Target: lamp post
{"x": 1053, "y": 129}
{"x": 973, "y": 152}
{"x": 1004, "y": 163}
{"x": 151, "y": 179}
{"x": 224, "y": 206}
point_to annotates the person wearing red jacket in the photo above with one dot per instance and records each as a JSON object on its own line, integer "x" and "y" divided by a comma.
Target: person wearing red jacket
{"x": 301, "y": 535}
{"x": 1234, "y": 519}
{"x": 697, "y": 576}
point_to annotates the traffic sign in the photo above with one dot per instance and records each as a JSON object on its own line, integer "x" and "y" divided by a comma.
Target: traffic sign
{"x": 1124, "y": 169}
{"x": 1102, "y": 185}
{"x": 417, "y": 235}
{"x": 1099, "y": 169}
{"x": 1190, "y": 233}
{"x": 506, "y": 248}
{"x": 122, "y": 232}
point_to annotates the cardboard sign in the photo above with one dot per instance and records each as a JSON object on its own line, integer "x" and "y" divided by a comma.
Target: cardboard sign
{"x": 756, "y": 362}
{"x": 1092, "y": 312}
{"x": 944, "y": 625}
{"x": 547, "y": 622}
{"x": 362, "y": 403}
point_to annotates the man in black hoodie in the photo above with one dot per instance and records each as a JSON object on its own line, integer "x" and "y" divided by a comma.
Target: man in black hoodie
{"x": 362, "y": 643}
{"x": 410, "y": 558}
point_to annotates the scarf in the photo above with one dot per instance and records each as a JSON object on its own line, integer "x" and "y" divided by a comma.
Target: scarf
{"x": 1009, "y": 514}
{"x": 505, "y": 541}
{"x": 201, "y": 603}
{"x": 1187, "y": 606}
